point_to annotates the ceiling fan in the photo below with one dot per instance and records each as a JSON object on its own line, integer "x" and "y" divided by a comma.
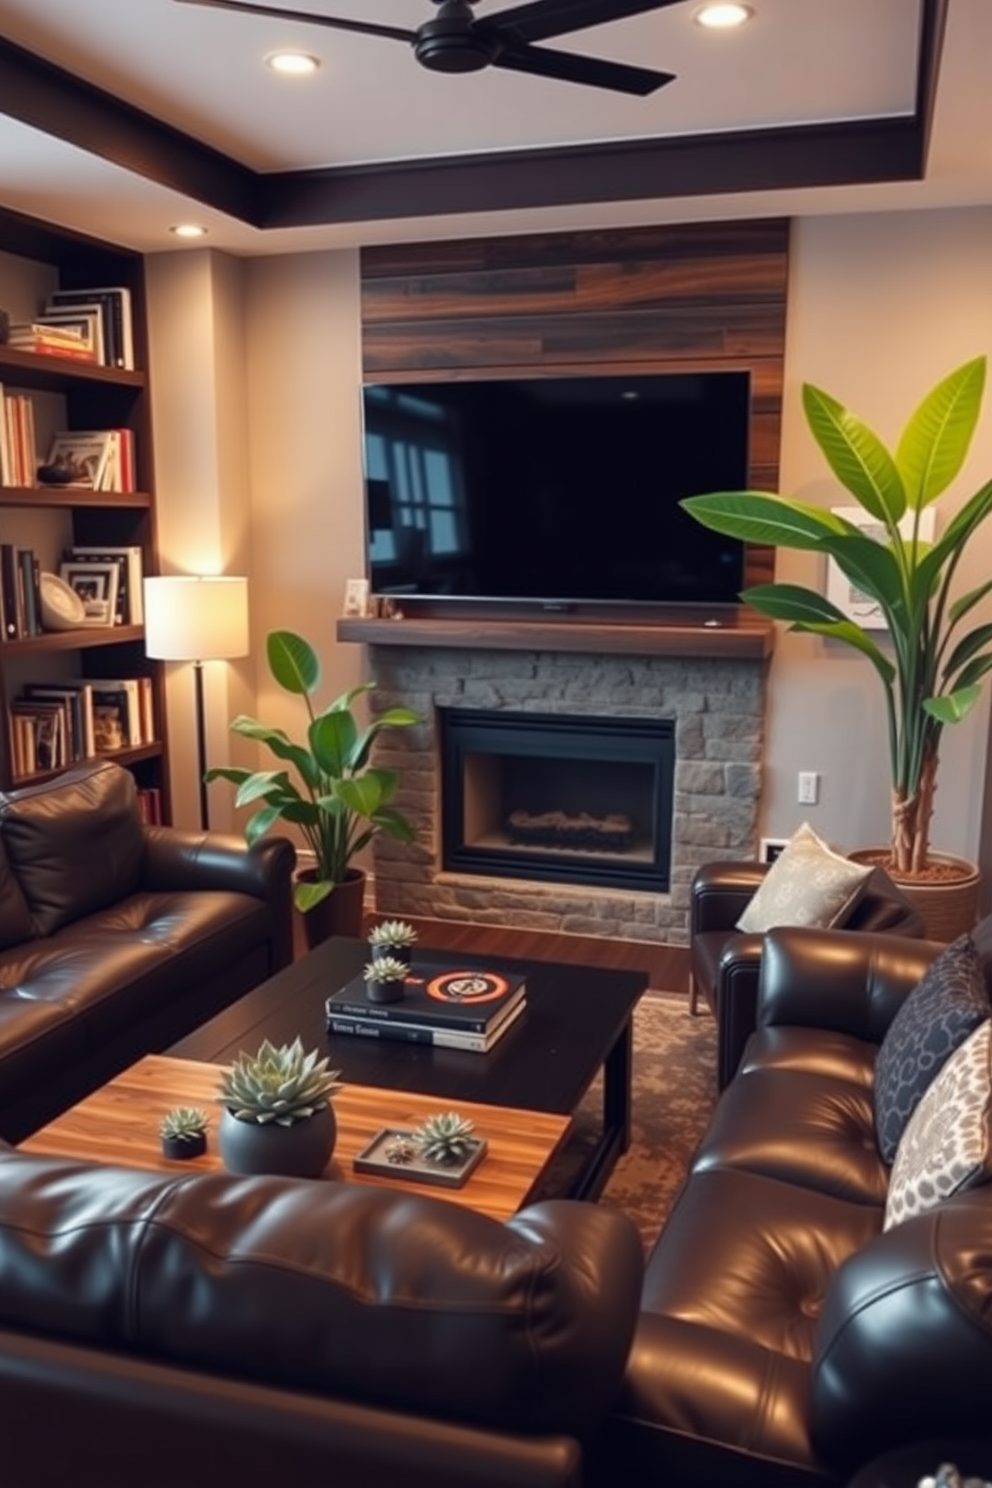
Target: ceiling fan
{"x": 454, "y": 41}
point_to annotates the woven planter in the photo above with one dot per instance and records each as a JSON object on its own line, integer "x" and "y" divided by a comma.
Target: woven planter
{"x": 949, "y": 905}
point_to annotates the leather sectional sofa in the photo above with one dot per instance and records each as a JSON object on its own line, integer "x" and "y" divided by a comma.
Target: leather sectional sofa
{"x": 117, "y": 938}
{"x": 213, "y": 1328}
{"x": 784, "y": 1339}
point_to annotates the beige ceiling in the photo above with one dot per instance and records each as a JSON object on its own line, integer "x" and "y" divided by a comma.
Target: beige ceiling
{"x": 797, "y": 62}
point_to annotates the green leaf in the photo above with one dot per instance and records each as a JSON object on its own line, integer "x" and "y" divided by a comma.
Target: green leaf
{"x": 792, "y": 602}
{"x": 938, "y": 433}
{"x": 870, "y": 565}
{"x": 968, "y": 646}
{"x": 293, "y": 662}
{"x": 265, "y": 785}
{"x": 968, "y": 601}
{"x": 953, "y": 706}
{"x": 856, "y": 455}
{"x": 306, "y": 893}
{"x": 233, "y": 773}
{"x": 759, "y": 517}
{"x": 334, "y": 741}
{"x": 394, "y": 824}
{"x": 367, "y": 795}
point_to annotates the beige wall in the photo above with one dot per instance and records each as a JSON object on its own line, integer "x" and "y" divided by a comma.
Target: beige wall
{"x": 880, "y": 306}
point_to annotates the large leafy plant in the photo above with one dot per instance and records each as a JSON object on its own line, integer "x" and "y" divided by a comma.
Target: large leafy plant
{"x": 931, "y": 673}
{"x": 330, "y": 791}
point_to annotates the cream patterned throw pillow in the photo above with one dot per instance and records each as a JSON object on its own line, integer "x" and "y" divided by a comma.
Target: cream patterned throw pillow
{"x": 947, "y": 1145}
{"x": 808, "y": 884}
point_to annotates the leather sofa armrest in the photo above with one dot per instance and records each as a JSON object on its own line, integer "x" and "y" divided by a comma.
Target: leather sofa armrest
{"x": 177, "y": 860}
{"x": 736, "y": 996}
{"x": 904, "y": 1336}
{"x": 845, "y": 980}
{"x": 720, "y": 892}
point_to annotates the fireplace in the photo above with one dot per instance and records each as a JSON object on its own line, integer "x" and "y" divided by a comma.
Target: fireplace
{"x": 557, "y": 797}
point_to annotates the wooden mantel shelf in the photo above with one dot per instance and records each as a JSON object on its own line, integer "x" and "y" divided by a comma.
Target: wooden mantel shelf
{"x": 738, "y": 638}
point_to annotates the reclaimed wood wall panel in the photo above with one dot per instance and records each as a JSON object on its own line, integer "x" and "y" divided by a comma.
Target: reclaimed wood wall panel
{"x": 698, "y": 296}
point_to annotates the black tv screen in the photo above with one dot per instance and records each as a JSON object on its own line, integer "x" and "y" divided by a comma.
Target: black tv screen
{"x": 554, "y": 491}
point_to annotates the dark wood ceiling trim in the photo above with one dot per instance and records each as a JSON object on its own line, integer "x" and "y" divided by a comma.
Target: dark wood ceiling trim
{"x": 55, "y": 101}
{"x": 629, "y": 170}
{"x": 861, "y": 152}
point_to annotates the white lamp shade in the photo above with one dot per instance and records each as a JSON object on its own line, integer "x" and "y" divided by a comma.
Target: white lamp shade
{"x": 196, "y": 618}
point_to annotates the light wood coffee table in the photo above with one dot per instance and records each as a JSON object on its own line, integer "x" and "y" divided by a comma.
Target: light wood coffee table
{"x": 118, "y": 1125}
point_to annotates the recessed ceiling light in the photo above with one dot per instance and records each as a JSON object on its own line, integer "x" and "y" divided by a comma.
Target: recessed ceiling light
{"x": 723, "y": 17}
{"x": 188, "y": 230}
{"x": 296, "y": 64}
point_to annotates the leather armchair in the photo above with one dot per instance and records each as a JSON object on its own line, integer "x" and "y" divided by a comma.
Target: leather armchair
{"x": 724, "y": 962}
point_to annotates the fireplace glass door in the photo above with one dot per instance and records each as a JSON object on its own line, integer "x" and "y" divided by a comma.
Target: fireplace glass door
{"x": 556, "y": 797}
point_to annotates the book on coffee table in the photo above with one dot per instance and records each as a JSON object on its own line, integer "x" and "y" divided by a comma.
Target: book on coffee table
{"x": 420, "y": 1033}
{"x": 438, "y": 994}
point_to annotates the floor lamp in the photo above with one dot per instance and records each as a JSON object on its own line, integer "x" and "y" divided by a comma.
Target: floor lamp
{"x": 197, "y": 619}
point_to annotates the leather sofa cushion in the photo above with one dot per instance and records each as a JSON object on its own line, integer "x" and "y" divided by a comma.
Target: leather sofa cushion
{"x": 74, "y": 843}
{"x": 15, "y": 917}
{"x": 812, "y": 1132}
{"x": 408, "y": 1302}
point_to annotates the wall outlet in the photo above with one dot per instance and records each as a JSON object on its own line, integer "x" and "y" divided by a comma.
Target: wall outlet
{"x": 809, "y": 788}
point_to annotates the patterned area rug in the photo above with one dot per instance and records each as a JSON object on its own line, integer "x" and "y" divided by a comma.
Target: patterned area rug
{"x": 674, "y": 1095}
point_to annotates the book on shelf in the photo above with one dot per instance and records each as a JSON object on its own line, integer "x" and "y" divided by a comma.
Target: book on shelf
{"x": 125, "y": 695}
{"x": 39, "y": 735}
{"x": 438, "y": 993}
{"x": 130, "y": 609}
{"x": 114, "y": 303}
{"x": 150, "y": 805}
{"x": 77, "y": 698}
{"x": 44, "y": 339}
{"x": 86, "y": 320}
{"x": 83, "y": 455}
{"x": 421, "y": 1033}
{"x": 18, "y": 449}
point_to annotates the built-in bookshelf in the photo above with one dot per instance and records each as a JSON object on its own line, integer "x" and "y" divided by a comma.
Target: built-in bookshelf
{"x": 60, "y": 524}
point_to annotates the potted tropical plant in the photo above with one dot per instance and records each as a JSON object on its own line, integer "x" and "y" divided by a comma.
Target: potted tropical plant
{"x": 327, "y": 787}
{"x": 277, "y": 1115}
{"x": 932, "y": 672}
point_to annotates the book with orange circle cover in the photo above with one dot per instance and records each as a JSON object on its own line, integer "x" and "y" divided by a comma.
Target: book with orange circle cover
{"x": 440, "y": 994}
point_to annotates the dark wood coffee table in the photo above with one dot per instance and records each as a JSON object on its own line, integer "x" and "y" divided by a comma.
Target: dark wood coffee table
{"x": 576, "y": 1025}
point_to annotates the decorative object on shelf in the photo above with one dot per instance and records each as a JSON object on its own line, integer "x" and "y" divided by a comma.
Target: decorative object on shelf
{"x": 184, "y": 1132}
{"x": 61, "y": 607}
{"x": 443, "y": 1151}
{"x": 935, "y": 670}
{"x": 444, "y": 1138}
{"x": 394, "y": 939}
{"x": 96, "y": 585}
{"x": 277, "y": 1115}
{"x": 197, "y": 618}
{"x": 54, "y": 475}
{"x": 341, "y": 801}
{"x": 385, "y": 979}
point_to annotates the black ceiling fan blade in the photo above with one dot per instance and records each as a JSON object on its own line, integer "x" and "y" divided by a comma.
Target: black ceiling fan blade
{"x": 541, "y": 19}
{"x": 568, "y": 67}
{"x": 363, "y": 28}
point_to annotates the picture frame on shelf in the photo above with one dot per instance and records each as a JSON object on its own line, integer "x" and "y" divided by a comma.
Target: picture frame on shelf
{"x": 356, "y": 597}
{"x": 96, "y": 585}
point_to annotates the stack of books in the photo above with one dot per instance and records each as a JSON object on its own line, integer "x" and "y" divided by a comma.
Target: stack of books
{"x": 453, "y": 1007}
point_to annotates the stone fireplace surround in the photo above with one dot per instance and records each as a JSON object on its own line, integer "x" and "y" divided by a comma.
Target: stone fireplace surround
{"x": 709, "y": 681}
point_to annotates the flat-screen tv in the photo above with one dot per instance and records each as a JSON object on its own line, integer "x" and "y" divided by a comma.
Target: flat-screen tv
{"x": 555, "y": 492}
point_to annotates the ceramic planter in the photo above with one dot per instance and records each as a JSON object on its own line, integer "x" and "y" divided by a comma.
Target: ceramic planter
{"x": 301, "y": 1150}
{"x": 391, "y": 991}
{"x": 179, "y": 1149}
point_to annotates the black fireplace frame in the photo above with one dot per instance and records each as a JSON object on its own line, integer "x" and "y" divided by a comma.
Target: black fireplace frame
{"x": 607, "y": 738}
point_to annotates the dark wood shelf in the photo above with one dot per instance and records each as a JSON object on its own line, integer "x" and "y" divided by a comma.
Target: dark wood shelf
{"x": 129, "y": 756}
{"x": 83, "y": 639}
{"x": 740, "y": 637}
{"x": 41, "y": 373}
{"x": 72, "y": 496}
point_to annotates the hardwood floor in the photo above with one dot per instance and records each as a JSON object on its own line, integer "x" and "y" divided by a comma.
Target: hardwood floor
{"x": 667, "y": 966}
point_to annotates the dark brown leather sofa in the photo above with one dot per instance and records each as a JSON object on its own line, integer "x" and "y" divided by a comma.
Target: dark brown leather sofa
{"x": 724, "y": 962}
{"x": 213, "y": 1330}
{"x": 784, "y": 1338}
{"x": 117, "y": 938}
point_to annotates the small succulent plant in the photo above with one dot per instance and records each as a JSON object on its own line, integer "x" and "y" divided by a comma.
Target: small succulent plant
{"x": 184, "y": 1124}
{"x": 277, "y": 1085}
{"x": 389, "y": 969}
{"x": 392, "y": 933}
{"x": 444, "y": 1138}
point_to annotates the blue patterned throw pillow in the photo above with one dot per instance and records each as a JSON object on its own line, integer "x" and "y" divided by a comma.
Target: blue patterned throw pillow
{"x": 943, "y": 1009}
